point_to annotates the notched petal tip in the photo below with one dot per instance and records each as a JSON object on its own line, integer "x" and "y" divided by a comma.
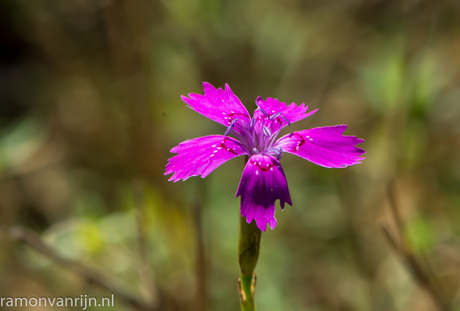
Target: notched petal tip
{"x": 324, "y": 146}
{"x": 219, "y": 105}
{"x": 287, "y": 113}
{"x": 263, "y": 182}
{"x": 209, "y": 89}
{"x": 200, "y": 156}
{"x": 262, "y": 223}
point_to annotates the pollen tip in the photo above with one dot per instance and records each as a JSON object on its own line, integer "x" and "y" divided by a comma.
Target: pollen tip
{"x": 286, "y": 119}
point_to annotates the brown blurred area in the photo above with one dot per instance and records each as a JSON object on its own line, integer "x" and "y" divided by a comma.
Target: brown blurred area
{"x": 90, "y": 107}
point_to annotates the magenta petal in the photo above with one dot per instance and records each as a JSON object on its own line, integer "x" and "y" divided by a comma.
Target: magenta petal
{"x": 325, "y": 146}
{"x": 286, "y": 114}
{"x": 263, "y": 182}
{"x": 200, "y": 156}
{"x": 218, "y": 105}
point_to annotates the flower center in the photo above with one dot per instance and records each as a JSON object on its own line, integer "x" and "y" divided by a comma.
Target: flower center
{"x": 259, "y": 136}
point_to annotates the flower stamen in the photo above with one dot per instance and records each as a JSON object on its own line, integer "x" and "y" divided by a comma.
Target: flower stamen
{"x": 266, "y": 131}
{"x": 277, "y": 152}
{"x": 275, "y": 115}
{"x": 286, "y": 119}
{"x": 264, "y": 112}
{"x": 230, "y": 127}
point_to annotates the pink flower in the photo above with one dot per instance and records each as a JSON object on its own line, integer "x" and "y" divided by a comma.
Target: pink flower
{"x": 263, "y": 181}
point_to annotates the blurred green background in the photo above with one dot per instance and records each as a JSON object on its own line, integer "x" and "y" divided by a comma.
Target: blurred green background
{"x": 90, "y": 107}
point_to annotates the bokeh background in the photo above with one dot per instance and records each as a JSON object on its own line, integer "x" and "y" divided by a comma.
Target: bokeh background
{"x": 90, "y": 107}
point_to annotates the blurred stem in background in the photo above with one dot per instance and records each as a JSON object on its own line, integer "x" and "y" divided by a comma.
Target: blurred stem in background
{"x": 248, "y": 253}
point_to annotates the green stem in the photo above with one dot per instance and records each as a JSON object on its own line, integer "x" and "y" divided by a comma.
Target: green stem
{"x": 248, "y": 252}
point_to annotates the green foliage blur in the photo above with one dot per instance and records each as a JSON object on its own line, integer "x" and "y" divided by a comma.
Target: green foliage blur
{"x": 90, "y": 107}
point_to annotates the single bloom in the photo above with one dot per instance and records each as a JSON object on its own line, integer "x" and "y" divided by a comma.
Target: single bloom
{"x": 263, "y": 181}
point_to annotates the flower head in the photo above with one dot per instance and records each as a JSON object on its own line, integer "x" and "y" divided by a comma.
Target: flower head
{"x": 263, "y": 181}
